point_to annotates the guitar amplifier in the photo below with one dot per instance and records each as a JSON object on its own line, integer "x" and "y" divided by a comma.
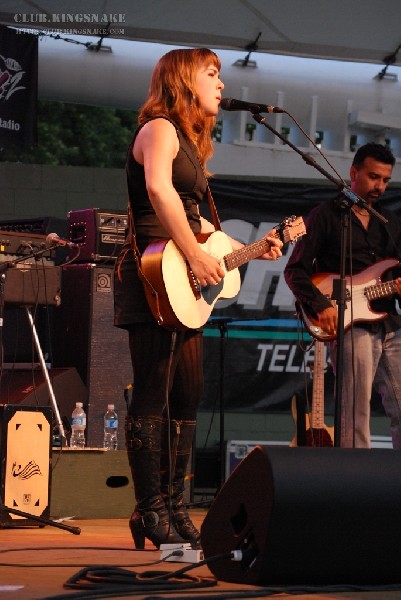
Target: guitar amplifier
{"x": 25, "y": 447}
{"x": 98, "y": 232}
{"x": 14, "y": 245}
{"x": 39, "y": 226}
{"x": 29, "y": 285}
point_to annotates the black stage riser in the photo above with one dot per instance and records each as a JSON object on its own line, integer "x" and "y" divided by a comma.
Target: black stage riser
{"x": 309, "y": 516}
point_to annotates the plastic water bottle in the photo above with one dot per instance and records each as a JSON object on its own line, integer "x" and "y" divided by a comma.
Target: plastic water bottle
{"x": 78, "y": 425}
{"x": 110, "y": 428}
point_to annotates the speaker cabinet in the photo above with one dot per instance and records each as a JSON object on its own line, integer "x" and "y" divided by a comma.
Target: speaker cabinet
{"x": 308, "y": 516}
{"x": 25, "y": 445}
{"x": 87, "y": 340}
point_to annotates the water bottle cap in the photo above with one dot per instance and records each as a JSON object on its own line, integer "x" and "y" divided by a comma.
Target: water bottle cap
{"x": 110, "y": 407}
{"x": 79, "y": 404}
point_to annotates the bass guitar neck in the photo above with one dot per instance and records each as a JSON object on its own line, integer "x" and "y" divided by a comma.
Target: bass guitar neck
{"x": 310, "y": 427}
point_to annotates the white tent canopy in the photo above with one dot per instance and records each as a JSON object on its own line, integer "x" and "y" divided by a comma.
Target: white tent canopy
{"x": 326, "y": 94}
{"x": 351, "y": 30}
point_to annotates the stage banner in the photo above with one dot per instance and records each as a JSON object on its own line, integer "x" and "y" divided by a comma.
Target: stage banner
{"x": 255, "y": 348}
{"x": 18, "y": 88}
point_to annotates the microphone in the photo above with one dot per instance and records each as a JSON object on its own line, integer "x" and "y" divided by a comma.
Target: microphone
{"x": 54, "y": 240}
{"x": 232, "y": 104}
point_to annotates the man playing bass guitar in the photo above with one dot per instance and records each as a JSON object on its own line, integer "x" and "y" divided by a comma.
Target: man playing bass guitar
{"x": 372, "y": 337}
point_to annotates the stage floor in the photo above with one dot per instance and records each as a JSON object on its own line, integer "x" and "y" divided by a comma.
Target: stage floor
{"x": 36, "y": 562}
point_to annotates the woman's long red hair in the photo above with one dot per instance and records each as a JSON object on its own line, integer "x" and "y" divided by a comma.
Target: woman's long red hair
{"x": 172, "y": 94}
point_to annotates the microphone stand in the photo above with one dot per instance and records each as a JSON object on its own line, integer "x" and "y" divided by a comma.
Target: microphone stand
{"x": 3, "y": 272}
{"x": 339, "y": 284}
{"x": 20, "y": 513}
{"x": 221, "y": 322}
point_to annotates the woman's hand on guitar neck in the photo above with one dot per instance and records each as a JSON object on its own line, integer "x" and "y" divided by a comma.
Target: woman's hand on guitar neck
{"x": 274, "y": 246}
{"x": 274, "y": 251}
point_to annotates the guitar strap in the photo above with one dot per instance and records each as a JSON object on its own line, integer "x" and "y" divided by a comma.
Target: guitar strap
{"x": 132, "y": 232}
{"x": 212, "y": 207}
{"x": 131, "y": 225}
{"x": 149, "y": 289}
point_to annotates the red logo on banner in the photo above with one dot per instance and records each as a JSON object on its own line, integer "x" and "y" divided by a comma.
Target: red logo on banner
{"x": 11, "y": 74}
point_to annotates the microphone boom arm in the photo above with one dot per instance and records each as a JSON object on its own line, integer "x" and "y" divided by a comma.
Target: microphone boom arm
{"x": 346, "y": 191}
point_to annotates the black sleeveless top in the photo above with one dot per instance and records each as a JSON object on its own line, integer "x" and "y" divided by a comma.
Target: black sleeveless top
{"x": 130, "y": 305}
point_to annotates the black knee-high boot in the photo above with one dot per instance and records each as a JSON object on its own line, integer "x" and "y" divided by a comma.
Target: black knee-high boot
{"x": 181, "y": 436}
{"x": 151, "y": 517}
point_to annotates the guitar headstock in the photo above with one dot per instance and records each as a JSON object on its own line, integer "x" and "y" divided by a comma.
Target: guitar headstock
{"x": 290, "y": 229}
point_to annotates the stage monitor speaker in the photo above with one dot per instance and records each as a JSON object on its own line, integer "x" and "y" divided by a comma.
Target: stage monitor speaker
{"x": 87, "y": 340}
{"x": 28, "y": 387}
{"x": 308, "y": 516}
{"x": 25, "y": 446}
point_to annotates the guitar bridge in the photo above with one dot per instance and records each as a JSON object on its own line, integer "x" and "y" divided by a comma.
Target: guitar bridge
{"x": 193, "y": 283}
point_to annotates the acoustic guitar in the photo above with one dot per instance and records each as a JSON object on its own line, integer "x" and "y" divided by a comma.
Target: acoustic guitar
{"x": 174, "y": 295}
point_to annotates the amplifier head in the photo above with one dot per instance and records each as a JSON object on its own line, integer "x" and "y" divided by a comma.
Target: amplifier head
{"x": 100, "y": 233}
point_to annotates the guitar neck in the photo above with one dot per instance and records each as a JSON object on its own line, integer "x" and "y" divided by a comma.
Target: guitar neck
{"x": 380, "y": 290}
{"x": 289, "y": 230}
{"x": 317, "y": 418}
{"x": 246, "y": 253}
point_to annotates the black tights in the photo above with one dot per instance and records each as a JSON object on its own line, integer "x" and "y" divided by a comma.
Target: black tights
{"x": 150, "y": 347}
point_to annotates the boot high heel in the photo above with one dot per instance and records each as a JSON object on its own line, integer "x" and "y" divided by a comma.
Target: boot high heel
{"x": 152, "y": 522}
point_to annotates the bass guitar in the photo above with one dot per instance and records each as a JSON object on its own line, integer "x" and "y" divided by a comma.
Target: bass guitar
{"x": 365, "y": 287}
{"x": 311, "y": 430}
{"x": 174, "y": 295}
